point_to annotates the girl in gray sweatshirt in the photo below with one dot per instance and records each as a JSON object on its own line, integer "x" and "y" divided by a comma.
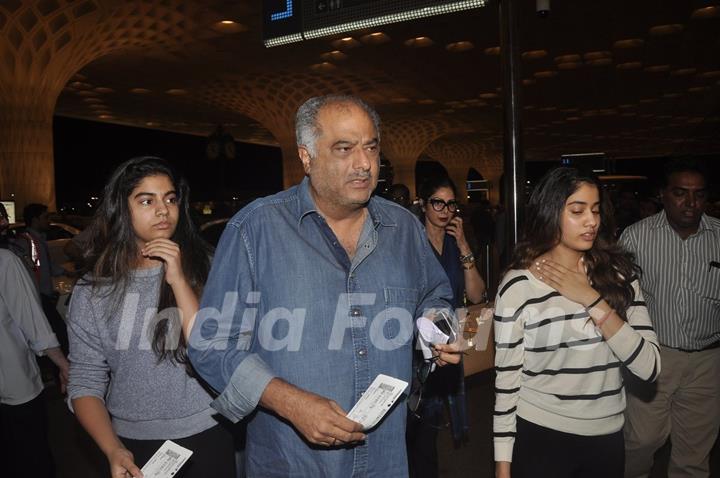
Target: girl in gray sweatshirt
{"x": 131, "y": 385}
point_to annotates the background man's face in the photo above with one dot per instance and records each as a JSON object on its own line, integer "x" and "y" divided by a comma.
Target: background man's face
{"x": 345, "y": 171}
{"x": 684, "y": 199}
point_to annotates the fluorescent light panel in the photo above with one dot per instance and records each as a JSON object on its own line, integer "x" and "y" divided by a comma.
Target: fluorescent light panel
{"x": 378, "y": 21}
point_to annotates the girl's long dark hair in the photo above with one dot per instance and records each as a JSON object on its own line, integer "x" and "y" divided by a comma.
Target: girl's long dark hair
{"x": 113, "y": 252}
{"x": 609, "y": 267}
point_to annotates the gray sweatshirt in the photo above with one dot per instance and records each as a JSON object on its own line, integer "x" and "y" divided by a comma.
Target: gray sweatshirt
{"x": 111, "y": 358}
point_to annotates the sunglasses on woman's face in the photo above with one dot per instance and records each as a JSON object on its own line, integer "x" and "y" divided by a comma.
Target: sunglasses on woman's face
{"x": 439, "y": 204}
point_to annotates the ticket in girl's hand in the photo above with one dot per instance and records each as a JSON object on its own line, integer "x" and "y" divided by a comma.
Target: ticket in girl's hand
{"x": 377, "y": 400}
{"x": 166, "y": 462}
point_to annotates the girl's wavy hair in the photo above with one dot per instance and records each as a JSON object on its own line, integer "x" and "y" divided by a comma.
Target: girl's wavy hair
{"x": 113, "y": 251}
{"x": 610, "y": 268}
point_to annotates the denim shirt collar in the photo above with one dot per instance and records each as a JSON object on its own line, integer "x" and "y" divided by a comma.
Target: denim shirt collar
{"x": 306, "y": 205}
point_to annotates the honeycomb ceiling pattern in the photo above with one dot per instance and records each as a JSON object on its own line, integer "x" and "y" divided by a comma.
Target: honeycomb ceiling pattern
{"x": 632, "y": 79}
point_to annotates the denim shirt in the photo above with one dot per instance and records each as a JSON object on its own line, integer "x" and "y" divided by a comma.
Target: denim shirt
{"x": 284, "y": 300}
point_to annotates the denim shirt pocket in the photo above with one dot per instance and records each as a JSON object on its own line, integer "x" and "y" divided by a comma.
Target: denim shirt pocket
{"x": 399, "y": 322}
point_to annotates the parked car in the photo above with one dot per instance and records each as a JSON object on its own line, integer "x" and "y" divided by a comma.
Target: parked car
{"x": 57, "y": 236}
{"x": 212, "y": 230}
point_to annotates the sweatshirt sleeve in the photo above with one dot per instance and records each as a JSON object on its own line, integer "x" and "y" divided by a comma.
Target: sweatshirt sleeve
{"x": 636, "y": 344}
{"x": 509, "y": 358}
{"x": 89, "y": 371}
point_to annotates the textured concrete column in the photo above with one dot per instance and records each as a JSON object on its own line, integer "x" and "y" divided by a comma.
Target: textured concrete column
{"x": 27, "y": 171}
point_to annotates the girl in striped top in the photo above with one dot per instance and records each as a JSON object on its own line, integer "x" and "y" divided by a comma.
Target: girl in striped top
{"x": 570, "y": 320}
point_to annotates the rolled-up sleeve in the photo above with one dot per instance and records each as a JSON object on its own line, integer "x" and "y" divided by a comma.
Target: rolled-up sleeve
{"x": 89, "y": 371}
{"x": 23, "y": 304}
{"x": 221, "y": 338}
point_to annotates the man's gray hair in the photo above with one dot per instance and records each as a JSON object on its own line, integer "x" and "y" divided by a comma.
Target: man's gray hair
{"x": 307, "y": 130}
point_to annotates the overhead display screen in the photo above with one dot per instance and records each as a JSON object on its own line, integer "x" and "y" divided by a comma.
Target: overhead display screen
{"x": 288, "y": 21}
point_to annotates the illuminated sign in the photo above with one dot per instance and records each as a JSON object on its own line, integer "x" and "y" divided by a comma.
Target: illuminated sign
{"x": 288, "y": 21}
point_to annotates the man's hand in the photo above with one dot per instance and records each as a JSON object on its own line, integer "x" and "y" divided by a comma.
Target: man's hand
{"x": 320, "y": 420}
{"x": 122, "y": 464}
{"x": 448, "y": 353}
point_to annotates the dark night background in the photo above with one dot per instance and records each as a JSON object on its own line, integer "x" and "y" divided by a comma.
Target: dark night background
{"x": 86, "y": 152}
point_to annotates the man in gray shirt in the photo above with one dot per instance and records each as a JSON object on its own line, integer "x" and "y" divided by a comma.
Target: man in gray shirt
{"x": 678, "y": 250}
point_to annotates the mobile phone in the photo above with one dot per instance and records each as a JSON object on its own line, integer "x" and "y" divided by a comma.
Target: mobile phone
{"x": 444, "y": 323}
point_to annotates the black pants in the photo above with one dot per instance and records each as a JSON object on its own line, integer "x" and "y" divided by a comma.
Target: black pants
{"x": 213, "y": 453}
{"x": 24, "y": 448}
{"x": 541, "y": 452}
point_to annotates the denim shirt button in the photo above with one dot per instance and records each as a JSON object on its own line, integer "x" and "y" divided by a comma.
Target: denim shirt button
{"x": 362, "y": 352}
{"x": 355, "y": 312}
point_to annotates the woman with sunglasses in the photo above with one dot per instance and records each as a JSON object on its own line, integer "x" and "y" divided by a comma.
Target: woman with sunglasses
{"x": 570, "y": 321}
{"x": 444, "y": 228}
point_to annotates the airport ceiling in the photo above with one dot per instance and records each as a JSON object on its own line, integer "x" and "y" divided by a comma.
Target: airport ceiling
{"x": 628, "y": 78}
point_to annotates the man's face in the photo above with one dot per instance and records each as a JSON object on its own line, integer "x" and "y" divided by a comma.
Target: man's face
{"x": 684, "y": 200}
{"x": 42, "y": 222}
{"x": 344, "y": 173}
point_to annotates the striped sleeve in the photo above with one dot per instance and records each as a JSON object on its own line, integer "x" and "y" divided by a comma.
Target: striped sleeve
{"x": 509, "y": 356}
{"x": 636, "y": 344}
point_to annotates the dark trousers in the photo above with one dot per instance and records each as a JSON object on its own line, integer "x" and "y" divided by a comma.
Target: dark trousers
{"x": 213, "y": 453}
{"x": 541, "y": 452}
{"x": 49, "y": 306}
{"x": 421, "y": 438}
{"x": 24, "y": 448}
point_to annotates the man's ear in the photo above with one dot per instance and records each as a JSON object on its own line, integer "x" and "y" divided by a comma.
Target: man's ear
{"x": 305, "y": 158}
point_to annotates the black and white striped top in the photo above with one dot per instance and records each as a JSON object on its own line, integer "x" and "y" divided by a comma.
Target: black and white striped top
{"x": 553, "y": 366}
{"x": 679, "y": 282}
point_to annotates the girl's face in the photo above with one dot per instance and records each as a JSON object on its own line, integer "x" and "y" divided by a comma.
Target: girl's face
{"x": 442, "y": 199}
{"x": 153, "y": 209}
{"x": 580, "y": 219}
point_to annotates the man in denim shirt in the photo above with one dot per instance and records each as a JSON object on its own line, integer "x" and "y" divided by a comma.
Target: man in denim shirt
{"x": 314, "y": 292}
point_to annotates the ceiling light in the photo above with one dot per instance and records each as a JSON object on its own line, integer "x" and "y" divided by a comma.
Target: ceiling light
{"x": 323, "y": 67}
{"x": 534, "y": 54}
{"x": 529, "y": 81}
{"x": 426, "y": 102}
{"x": 345, "y": 43}
{"x": 629, "y": 43}
{"x": 176, "y": 92}
{"x": 493, "y": 51}
{"x": 660, "y": 30}
{"x": 80, "y": 85}
{"x": 683, "y": 72}
{"x": 419, "y": 42}
{"x": 545, "y": 74}
{"x": 699, "y": 89}
{"x": 710, "y": 74}
{"x": 706, "y": 12}
{"x": 335, "y": 55}
{"x": 459, "y": 46}
{"x": 106, "y": 116}
{"x": 92, "y": 100}
{"x": 596, "y": 55}
{"x": 570, "y": 65}
{"x": 629, "y": 65}
{"x": 572, "y": 58}
{"x": 600, "y": 62}
{"x": 657, "y": 68}
{"x": 228, "y": 26}
{"x": 488, "y": 96}
{"x": 377, "y": 38}
{"x": 140, "y": 91}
